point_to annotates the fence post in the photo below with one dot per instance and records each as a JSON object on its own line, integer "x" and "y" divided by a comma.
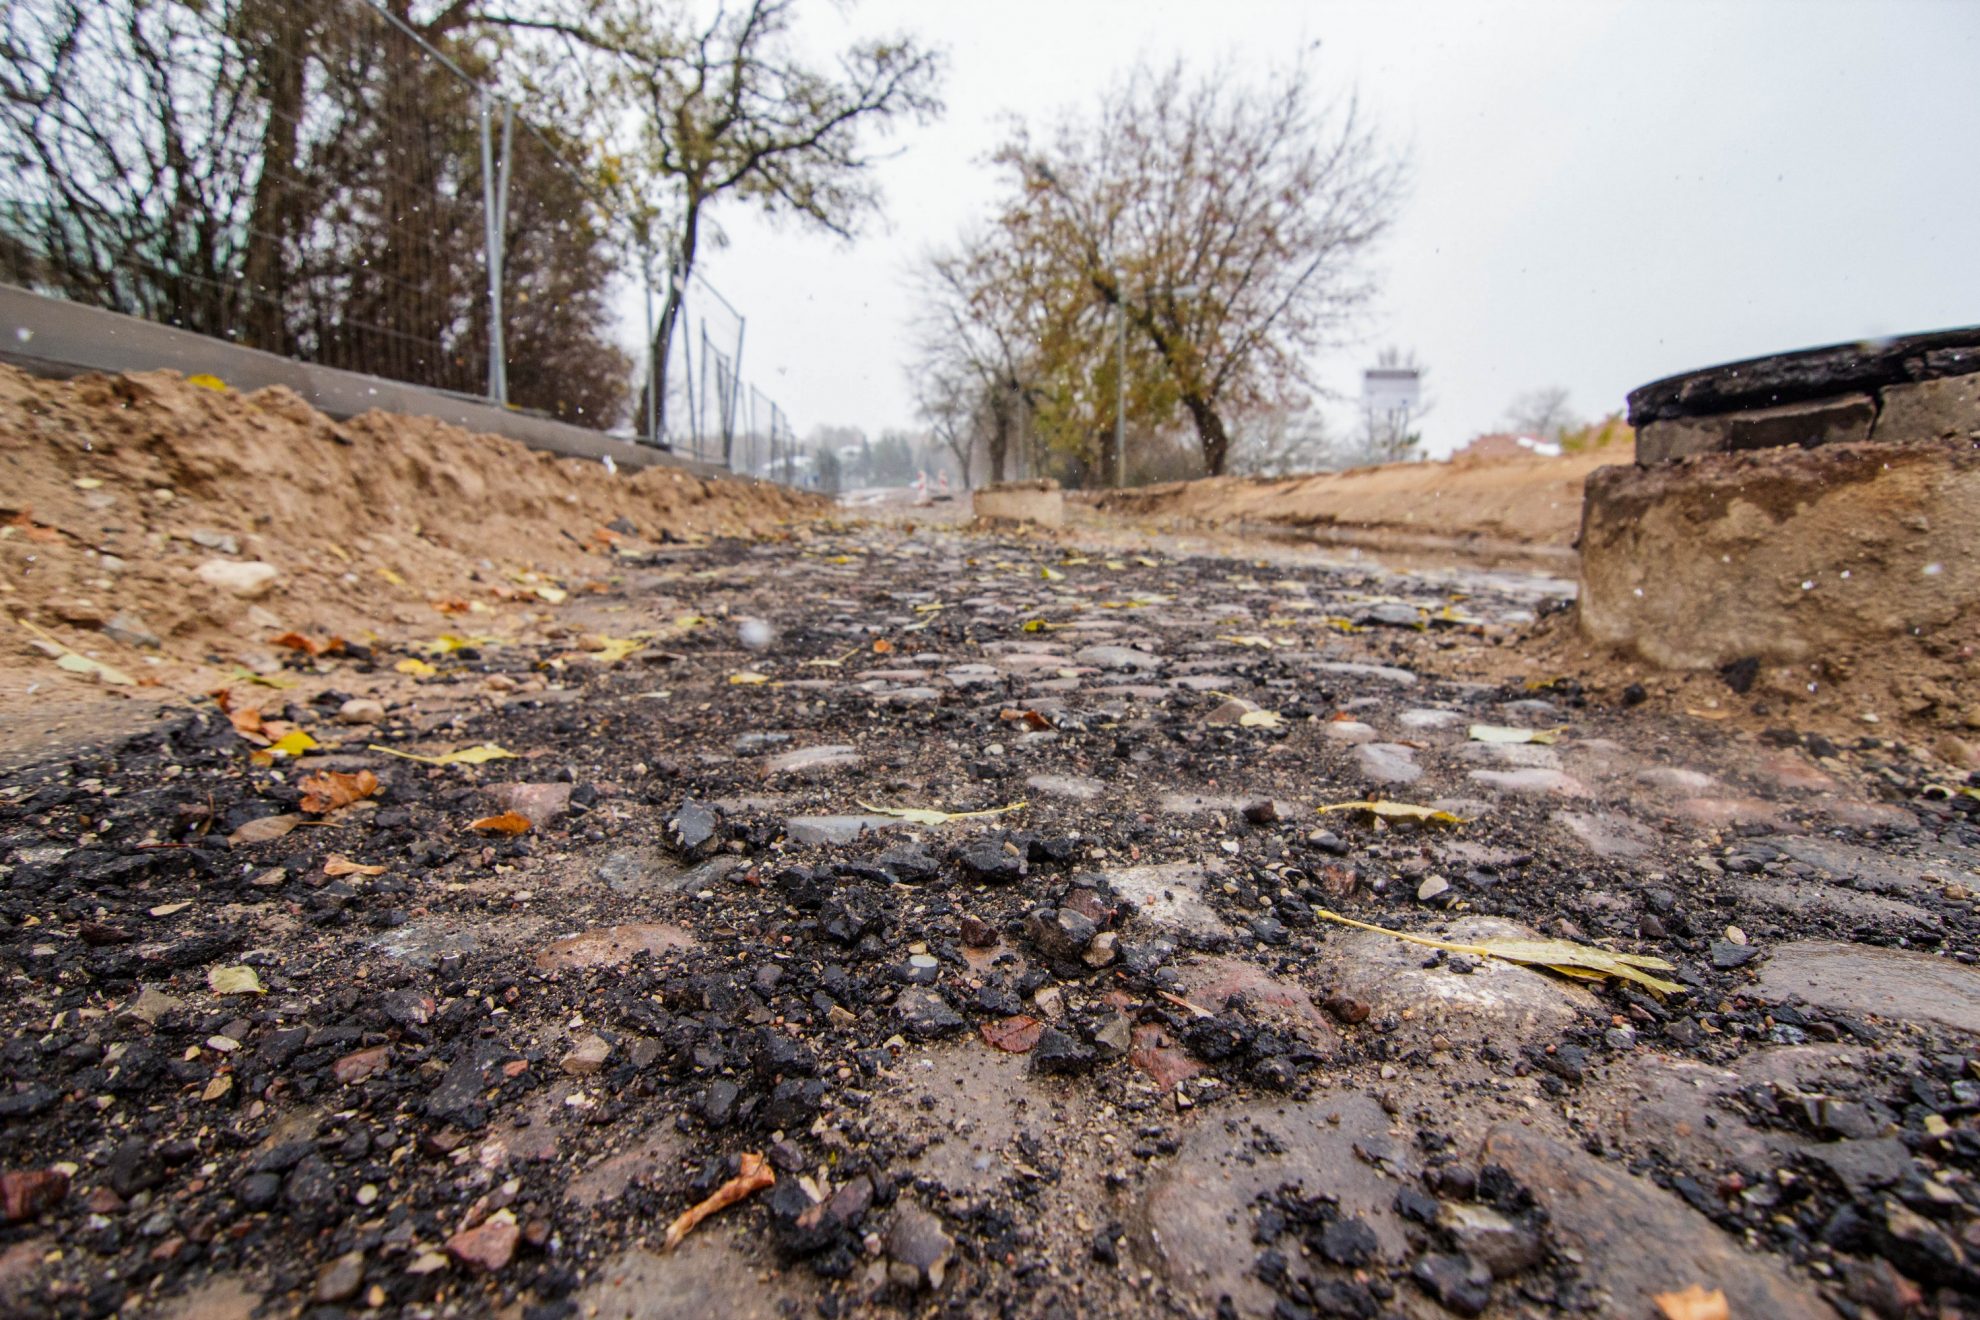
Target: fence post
{"x": 652, "y": 351}
{"x": 495, "y": 223}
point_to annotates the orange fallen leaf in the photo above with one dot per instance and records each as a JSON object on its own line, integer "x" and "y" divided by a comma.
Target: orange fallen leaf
{"x": 882, "y": 646}
{"x": 1694, "y": 1303}
{"x": 451, "y": 605}
{"x": 755, "y": 1176}
{"x": 336, "y": 864}
{"x": 509, "y": 822}
{"x": 334, "y": 788}
{"x": 308, "y": 645}
{"x": 248, "y": 723}
{"x": 33, "y": 530}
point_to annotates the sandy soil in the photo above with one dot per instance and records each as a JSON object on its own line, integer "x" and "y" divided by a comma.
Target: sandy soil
{"x": 119, "y": 493}
{"x": 1510, "y": 508}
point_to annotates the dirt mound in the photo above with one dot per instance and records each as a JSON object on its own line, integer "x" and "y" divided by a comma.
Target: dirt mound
{"x": 1514, "y": 504}
{"x": 136, "y": 506}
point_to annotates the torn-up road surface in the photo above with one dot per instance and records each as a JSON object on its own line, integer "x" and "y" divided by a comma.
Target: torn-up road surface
{"x": 980, "y": 889}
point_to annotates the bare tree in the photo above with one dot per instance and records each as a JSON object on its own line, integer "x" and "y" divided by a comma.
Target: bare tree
{"x": 1543, "y": 412}
{"x": 1227, "y": 221}
{"x": 947, "y": 396}
{"x": 302, "y": 178}
{"x": 1281, "y": 442}
{"x": 984, "y": 322}
{"x": 729, "y": 110}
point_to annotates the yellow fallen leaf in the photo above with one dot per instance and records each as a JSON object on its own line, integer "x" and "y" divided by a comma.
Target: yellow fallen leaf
{"x": 448, "y": 643}
{"x": 1694, "y": 1303}
{"x": 1397, "y": 811}
{"x": 1499, "y": 733}
{"x": 1050, "y": 574}
{"x": 1145, "y": 561}
{"x": 88, "y": 483}
{"x": 928, "y": 816}
{"x": 293, "y": 743}
{"x": 833, "y": 664}
{"x": 687, "y": 621}
{"x": 391, "y": 577}
{"x": 554, "y": 595}
{"x": 616, "y": 649}
{"x": 479, "y": 754}
{"x": 748, "y": 678}
{"x": 417, "y": 668}
{"x": 930, "y": 608}
{"x": 1245, "y": 639}
{"x": 1262, "y": 719}
{"x": 239, "y": 980}
{"x": 1555, "y": 954}
{"x": 206, "y": 382}
{"x": 77, "y": 663}
{"x": 509, "y": 822}
{"x": 1341, "y": 623}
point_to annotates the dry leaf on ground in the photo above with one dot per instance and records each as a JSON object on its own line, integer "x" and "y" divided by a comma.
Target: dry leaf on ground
{"x": 1694, "y": 1303}
{"x": 76, "y": 662}
{"x": 308, "y": 645}
{"x": 509, "y": 822}
{"x": 417, "y": 668}
{"x": 1397, "y": 811}
{"x": 929, "y": 816}
{"x": 336, "y": 864}
{"x": 1499, "y": 733}
{"x": 479, "y": 754}
{"x": 616, "y": 649}
{"x": 264, "y": 830}
{"x": 755, "y": 1176}
{"x": 239, "y": 980}
{"x": 291, "y": 744}
{"x": 1563, "y": 956}
{"x": 334, "y": 788}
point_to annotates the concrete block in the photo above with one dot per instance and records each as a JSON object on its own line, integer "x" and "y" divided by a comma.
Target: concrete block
{"x": 1787, "y": 555}
{"x": 1842, "y": 420}
{"x": 1943, "y": 409}
{"x": 1040, "y": 501}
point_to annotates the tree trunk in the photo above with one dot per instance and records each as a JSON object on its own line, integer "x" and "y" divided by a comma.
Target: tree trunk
{"x": 663, "y": 334}
{"x": 280, "y": 35}
{"x": 1000, "y": 433}
{"x": 1210, "y": 434}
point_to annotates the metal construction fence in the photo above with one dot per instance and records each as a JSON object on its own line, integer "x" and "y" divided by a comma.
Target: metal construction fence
{"x": 330, "y": 182}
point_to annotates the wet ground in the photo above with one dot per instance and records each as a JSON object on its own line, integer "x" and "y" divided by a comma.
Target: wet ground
{"x": 1090, "y": 1049}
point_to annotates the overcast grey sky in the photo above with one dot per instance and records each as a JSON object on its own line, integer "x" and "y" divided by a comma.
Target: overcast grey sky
{"x": 1603, "y": 193}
